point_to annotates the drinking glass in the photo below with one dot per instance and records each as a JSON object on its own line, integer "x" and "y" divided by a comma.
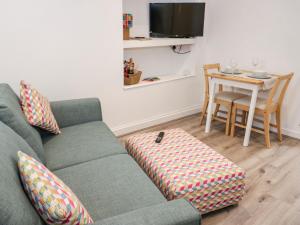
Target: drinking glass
{"x": 233, "y": 65}
{"x": 255, "y": 63}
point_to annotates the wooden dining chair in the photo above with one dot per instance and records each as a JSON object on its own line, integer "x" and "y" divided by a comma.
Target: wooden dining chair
{"x": 222, "y": 98}
{"x": 264, "y": 108}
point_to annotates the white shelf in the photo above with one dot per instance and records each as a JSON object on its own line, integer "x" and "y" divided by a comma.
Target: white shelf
{"x": 163, "y": 79}
{"x": 157, "y": 42}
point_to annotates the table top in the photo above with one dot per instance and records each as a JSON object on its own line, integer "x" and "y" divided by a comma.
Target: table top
{"x": 243, "y": 78}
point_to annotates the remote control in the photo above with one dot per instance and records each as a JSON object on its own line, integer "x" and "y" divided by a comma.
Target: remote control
{"x": 160, "y": 137}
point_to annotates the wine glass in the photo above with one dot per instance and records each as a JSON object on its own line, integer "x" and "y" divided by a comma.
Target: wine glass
{"x": 233, "y": 65}
{"x": 255, "y": 63}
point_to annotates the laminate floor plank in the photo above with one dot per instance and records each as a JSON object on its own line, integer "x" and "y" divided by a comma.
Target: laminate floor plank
{"x": 273, "y": 175}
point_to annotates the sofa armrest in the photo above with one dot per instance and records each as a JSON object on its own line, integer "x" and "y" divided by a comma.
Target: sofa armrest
{"x": 72, "y": 112}
{"x": 177, "y": 212}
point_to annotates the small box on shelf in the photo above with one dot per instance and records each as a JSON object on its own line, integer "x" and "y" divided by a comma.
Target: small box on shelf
{"x": 127, "y": 24}
{"x": 126, "y": 34}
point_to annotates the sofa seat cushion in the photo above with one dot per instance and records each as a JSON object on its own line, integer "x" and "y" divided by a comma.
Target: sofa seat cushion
{"x": 111, "y": 186}
{"x": 80, "y": 143}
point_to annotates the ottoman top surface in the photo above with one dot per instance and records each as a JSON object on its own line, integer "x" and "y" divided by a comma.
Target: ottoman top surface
{"x": 181, "y": 162}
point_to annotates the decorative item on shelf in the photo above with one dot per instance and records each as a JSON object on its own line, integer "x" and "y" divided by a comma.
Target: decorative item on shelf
{"x": 131, "y": 75}
{"x": 127, "y": 24}
{"x": 151, "y": 79}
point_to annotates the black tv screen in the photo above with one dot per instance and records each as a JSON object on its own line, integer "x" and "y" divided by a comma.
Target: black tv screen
{"x": 177, "y": 19}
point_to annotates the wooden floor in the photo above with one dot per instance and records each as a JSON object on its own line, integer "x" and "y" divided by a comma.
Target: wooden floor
{"x": 273, "y": 175}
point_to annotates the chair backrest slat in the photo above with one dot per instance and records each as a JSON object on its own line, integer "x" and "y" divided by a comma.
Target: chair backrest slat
{"x": 282, "y": 81}
{"x": 206, "y": 69}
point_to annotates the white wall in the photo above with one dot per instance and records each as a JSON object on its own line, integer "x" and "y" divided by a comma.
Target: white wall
{"x": 267, "y": 29}
{"x": 73, "y": 49}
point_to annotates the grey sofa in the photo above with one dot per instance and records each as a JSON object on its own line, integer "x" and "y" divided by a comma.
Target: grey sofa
{"x": 89, "y": 159}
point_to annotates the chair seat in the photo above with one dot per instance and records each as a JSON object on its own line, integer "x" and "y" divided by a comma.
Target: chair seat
{"x": 260, "y": 102}
{"x": 229, "y": 96}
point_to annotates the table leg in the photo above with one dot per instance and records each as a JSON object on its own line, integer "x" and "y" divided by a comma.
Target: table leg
{"x": 210, "y": 105}
{"x": 250, "y": 115}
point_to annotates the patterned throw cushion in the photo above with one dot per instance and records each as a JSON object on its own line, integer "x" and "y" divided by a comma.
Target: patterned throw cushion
{"x": 54, "y": 201}
{"x": 37, "y": 109}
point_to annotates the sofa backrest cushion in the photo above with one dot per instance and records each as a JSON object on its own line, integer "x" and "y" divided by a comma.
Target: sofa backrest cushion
{"x": 15, "y": 207}
{"x": 11, "y": 114}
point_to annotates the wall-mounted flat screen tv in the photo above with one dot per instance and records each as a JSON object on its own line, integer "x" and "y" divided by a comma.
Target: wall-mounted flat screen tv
{"x": 177, "y": 20}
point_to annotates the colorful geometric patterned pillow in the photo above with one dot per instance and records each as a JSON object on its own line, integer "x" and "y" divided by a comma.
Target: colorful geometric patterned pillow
{"x": 37, "y": 109}
{"x": 54, "y": 201}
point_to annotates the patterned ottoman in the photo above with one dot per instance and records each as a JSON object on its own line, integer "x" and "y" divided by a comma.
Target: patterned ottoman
{"x": 183, "y": 167}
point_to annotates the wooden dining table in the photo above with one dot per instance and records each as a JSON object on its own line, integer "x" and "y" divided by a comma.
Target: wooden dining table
{"x": 238, "y": 81}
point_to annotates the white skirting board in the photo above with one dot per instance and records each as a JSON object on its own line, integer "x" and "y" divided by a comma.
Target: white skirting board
{"x": 285, "y": 131}
{"x": 138, "y": 125}
{"x": 291, "y": 133}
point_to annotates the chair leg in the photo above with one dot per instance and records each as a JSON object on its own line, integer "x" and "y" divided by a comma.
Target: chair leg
{"x": 217, "y": 110}
{"x": 244, "y": 116}
{"x": 228, "y": 119}
{"x": 203, "y": 112}
{"x": 267, "y": 129}
{"x": 233, "y": 120}
{"x": 278, "y": 124}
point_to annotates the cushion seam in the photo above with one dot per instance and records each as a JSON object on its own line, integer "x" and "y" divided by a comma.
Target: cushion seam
{"x": 75, "y": 164}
